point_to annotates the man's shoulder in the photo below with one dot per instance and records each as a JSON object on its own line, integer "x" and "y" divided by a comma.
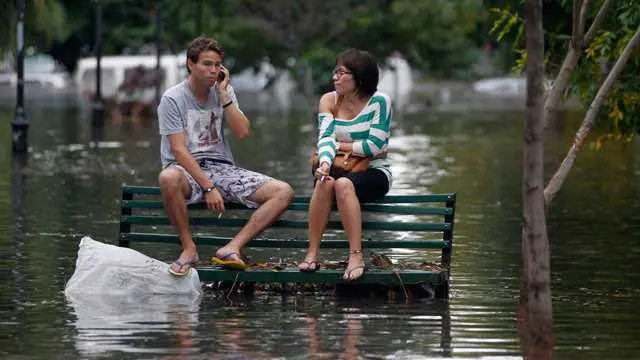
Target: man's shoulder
{"x": 175, "y": 92}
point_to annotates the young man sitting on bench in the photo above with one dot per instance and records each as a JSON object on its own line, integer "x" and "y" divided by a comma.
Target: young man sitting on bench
{"x": 197, "y": 161}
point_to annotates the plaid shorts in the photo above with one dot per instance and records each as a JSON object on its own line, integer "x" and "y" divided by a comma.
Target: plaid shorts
{"x": 234, "y": 183}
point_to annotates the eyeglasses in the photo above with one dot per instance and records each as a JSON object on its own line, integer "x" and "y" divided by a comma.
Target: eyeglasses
{"x": 339, "y": 72}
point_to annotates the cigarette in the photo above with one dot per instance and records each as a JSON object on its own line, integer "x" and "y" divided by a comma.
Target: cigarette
{"x": 220, "y": 215}
{"x": 322, "y": 178}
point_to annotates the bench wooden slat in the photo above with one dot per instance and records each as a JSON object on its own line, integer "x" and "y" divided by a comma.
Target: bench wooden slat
{"x": 291, "y": 243}
{"x": 387, "y": 209}
{"x": 366, "y": 225}
{"x": 141, "y": 190}
{"x": 372, "y": 276}
{"x": 389, "y": 199}
{"x": 378, "y": 208}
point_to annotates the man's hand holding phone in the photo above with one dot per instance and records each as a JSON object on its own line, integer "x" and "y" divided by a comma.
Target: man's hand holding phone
{"x": 223, "y": 79}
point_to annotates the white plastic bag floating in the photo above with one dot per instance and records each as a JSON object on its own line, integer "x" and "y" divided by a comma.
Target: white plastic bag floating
{"x": 113, "y": 270}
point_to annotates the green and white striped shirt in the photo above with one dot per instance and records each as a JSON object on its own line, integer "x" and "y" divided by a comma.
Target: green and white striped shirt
{"x": 368, "y": 131}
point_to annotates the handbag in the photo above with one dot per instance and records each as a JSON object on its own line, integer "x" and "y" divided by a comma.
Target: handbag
{"x": 343, "y": 163}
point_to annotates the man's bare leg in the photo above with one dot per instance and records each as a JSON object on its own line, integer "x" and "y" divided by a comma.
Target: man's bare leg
{"x": 274, "y": 197}
{"x": 174, "y": 188}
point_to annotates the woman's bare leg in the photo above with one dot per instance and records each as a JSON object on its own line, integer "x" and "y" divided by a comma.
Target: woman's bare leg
{"x": 351, "y": 216}
{"x": 319, "y": 210}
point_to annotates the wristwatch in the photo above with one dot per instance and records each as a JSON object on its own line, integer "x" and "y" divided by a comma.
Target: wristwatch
{"x": 209, "y": 189}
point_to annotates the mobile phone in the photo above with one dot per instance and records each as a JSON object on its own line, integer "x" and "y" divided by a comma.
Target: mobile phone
{"x": 221, "y": 76}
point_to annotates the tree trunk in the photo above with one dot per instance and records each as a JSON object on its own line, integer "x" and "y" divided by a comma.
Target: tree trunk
{"x": 535, "y": 321}
{"x": 587, "y": 124}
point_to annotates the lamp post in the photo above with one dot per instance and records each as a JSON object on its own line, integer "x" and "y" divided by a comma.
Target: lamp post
{"x": 98, "y": 105}
{"x": 158, "y": 49}
{"x": 19, "y": 125}
{"x": 199, "y": 17}
{"x": 97, "y": 121}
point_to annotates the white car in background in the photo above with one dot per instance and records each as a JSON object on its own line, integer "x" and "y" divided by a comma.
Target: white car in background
{"x": 115, "y": 67}
{"x": 39, "y": 70}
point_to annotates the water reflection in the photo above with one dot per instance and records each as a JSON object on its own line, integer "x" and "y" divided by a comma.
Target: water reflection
{"x": 69, "y": 188}
{"x": 182, "y": 328}
{"x": 18, "y": 190}
{"x": 97, "y": 126}
{"x": 413, "y": 158}
{"x": 107, "y": 324}
{"x": 351, "y": 340}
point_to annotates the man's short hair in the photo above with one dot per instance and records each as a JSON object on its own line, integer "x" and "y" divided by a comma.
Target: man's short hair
{"x": 200, "y": 45}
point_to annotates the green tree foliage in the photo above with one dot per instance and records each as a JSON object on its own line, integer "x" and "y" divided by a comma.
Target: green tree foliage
{"x": 620, "y": 114}
{"x": 47, "y": 23}
{"x": 437, "y": 36}
{"x": 621, "y": 111}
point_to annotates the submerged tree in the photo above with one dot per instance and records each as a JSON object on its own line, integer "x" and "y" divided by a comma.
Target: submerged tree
{"x": 603, "y": 41}
{"x": 535, "y": 320}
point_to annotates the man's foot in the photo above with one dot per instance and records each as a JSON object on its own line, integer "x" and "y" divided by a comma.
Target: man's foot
{"x": 356, "y": 268}
{"x": 184, "y": 263}
{"x": 229, "y": 258}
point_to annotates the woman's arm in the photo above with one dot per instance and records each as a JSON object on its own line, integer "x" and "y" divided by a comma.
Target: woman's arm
{"x": 326, "y": 130}
{"x": 327, "y": 103}
{"x": 379, "y": 131}
{"x": 345, "y": 146}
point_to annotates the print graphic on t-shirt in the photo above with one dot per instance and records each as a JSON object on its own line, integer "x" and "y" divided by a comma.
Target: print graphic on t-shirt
{"x": 203, "y": 129}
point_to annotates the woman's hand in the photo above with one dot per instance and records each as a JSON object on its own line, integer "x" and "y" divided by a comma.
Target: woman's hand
{"x": 322, "y": 172}
{"x": 214, "y": 200}
{"x": 345, "y": 146}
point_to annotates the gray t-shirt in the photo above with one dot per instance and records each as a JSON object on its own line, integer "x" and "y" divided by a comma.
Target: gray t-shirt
{"x": 203, "y": 126}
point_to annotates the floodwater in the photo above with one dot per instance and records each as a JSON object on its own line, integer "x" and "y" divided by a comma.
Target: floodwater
{"x": 69, "y": 187}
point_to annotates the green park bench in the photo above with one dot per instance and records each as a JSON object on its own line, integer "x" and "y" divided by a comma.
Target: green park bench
{"x": 394, "y": 222}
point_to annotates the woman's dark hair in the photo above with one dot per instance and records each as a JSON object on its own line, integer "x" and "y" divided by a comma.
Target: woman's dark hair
{"x": 364, "y": 69}
{"x": 200, "y": 45}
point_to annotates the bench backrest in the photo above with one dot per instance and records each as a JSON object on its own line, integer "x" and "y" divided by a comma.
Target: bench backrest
{"x": 405, "y": 218}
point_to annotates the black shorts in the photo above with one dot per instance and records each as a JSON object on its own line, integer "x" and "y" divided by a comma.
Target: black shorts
{"x": 370, "y": 185}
